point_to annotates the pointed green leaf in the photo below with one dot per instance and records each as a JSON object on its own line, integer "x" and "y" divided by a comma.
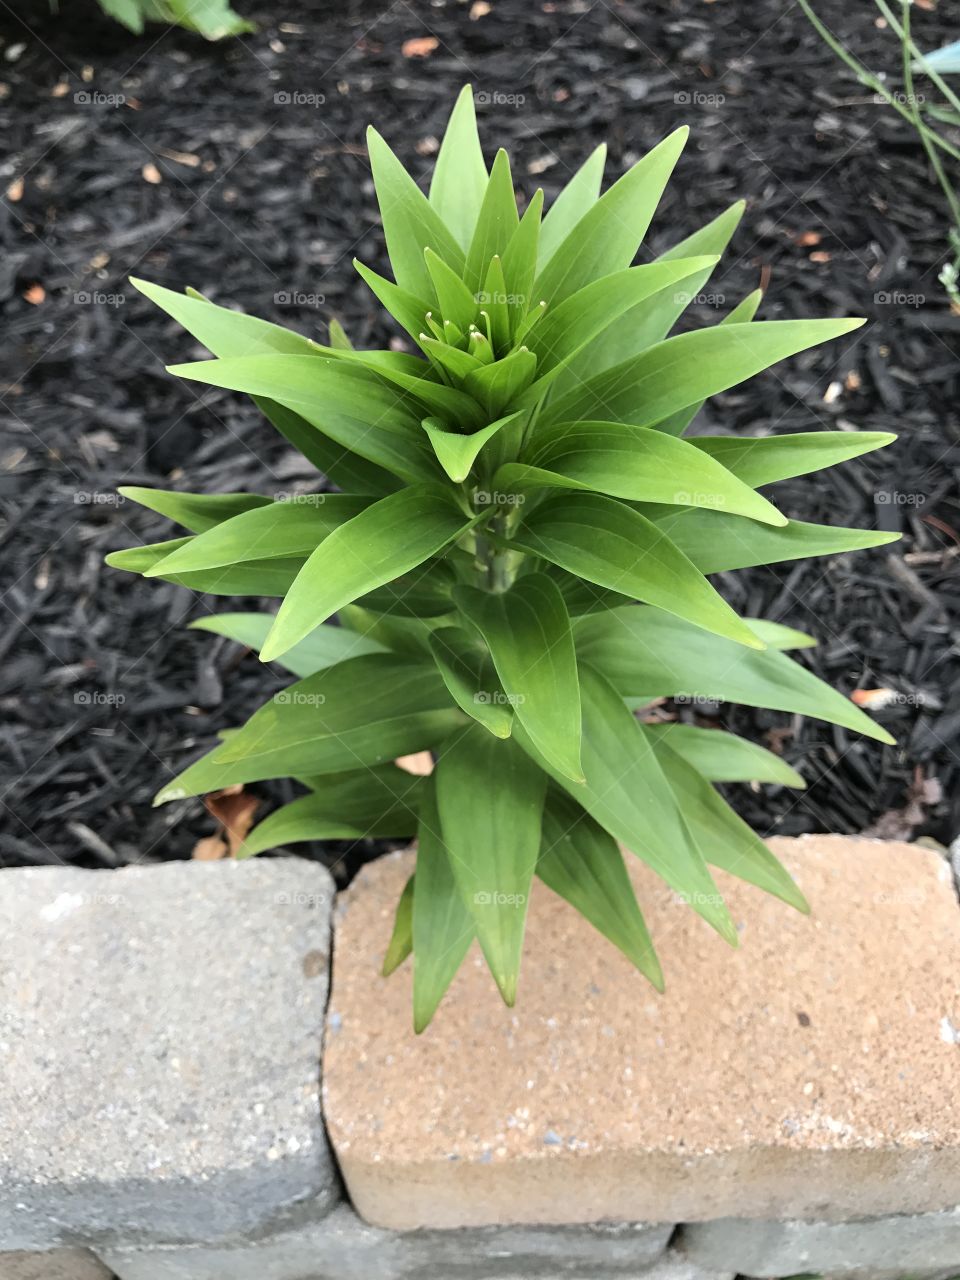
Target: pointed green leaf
{"x": 646, "y": 651}
{"x": 608, "y": 543}
{"x": 627, "y": 794}
{"x": 468, "y": 673}
{"x": 497, "y": 221}
{"x": 607, "y": 237}
{"x": 764, "y": 460}
{"x": 632, "y": 462}
{"x": 598, "y": 307}
{"x": 364, "y": 711}
{"x": 520, "y": 261}
{"x": 494, "y": 301}
{"x": 690, "y": 367}
{"x": 574, "y": 201}
{"x": 716, "y": 542}
{"x": 457, "y": 453}
{"x": 455, "y": 300}
{"x": 582, "y": 863}
{"x": 646, "y": 324}
{"x": 343, "y": 806}
{"x": 727, "y": 841}
{"x": 286, "y": 529}
{"x": 490, "y": 798}
{"x": 410, "y": 223}
{"x": 527, "y": 631}
{"x": 270, "y": 577}
{"x": 350, "y": 472}
{"x": 497, "y": 386}
{"x": 346, "y": 402}
{"x": 387, "y": 539}
{"x": 401, "y": 939}
{"x": 223, "y": 331}
{"x": 723, "y": 757}
{"x": 442, "y": 925}
{"x": 407, "y": 309}
{"x": 324, "y": 647}
{"x": 338, "y": 336}
{"x": 675, "y": 424}
{"x": 460, "y": 176}
{"x": 195, "y": 511}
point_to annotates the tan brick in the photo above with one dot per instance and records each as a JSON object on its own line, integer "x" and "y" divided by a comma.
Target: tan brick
{"x": 55, "y": 1264}
{"x": 810, "y": 1074}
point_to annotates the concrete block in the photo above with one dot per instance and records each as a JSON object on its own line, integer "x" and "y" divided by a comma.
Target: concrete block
{"x": 921, "y": 1245}
{"x": 160, "y": 1029}
{"x": 59, "y": 1264}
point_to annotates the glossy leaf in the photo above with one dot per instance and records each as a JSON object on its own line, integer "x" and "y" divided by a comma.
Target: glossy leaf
{"x": 347, "y": 403}
{"x": 195, "y": 511}
{"x": 626, "y": 793}
{"x": 715, "y": 541}
{"x": 574, "y": 201}
{"x": 401, "y": 939}
{"x": 764, "y": 460}
{"x": 723, "y": 757}
{"x": 457, "y": 453}
{"x": 460, "y": 175}
{"x": 496, "y": 223}
{"x": 727, "y": 841}
{"x": 689, "y": 368}
{"x": 635, "y": 463}
{"x": 442, "y": 925}
{"x": 615, "y": 547}
{"x": 323, "y": 647}
{"x": 583, "y": 864}
{"x": 645, "y": 651}
{"x": 608, "y": 235}
{"x": 527, "y": 631}
{"x": 490, "y": 798}
{"x": 471, "y": 680}
{"x": 410, "y": 223}
{"x": 387, "y": 539}
{"x": 286, "y": 529}
{"x": 343, "y": 806}
{"x": 365, "y": 711}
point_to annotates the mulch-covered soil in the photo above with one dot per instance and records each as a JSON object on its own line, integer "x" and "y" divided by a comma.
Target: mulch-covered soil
{"x": 240, "y": 169}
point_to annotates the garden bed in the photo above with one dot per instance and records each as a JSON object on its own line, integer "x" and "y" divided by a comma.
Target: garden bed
{"x": 240, "y": 169}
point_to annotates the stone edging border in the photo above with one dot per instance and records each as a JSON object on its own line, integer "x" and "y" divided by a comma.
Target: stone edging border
{"x": 161, "y": 1027}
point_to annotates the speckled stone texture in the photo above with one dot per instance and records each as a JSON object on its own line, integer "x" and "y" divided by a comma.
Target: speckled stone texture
{"x": 159, "y": 1033}
{"x": 809, "y": 1074}
{"x": 60, "y": 1264}
{"x": 924, "y": 1245}
{"x": 341, "y": 1246}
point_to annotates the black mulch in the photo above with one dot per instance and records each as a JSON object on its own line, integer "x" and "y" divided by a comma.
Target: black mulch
{"x": 240, "y": 169}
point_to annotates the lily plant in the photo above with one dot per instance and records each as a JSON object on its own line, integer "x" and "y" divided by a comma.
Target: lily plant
{"x": 516, "y": 561}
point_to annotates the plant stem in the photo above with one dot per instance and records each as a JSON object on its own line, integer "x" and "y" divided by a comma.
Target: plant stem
{"x": 867, "y": 78}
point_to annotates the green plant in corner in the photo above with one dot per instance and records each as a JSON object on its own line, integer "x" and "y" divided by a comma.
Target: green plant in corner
{"x": 212, "y": 19}
{"x": 518, "y": 558}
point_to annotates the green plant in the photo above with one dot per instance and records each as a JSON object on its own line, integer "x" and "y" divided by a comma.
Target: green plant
{"x": 213, "y": 19}
{"x": 508, "y": 496}
{"x": 926, "y": 117}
